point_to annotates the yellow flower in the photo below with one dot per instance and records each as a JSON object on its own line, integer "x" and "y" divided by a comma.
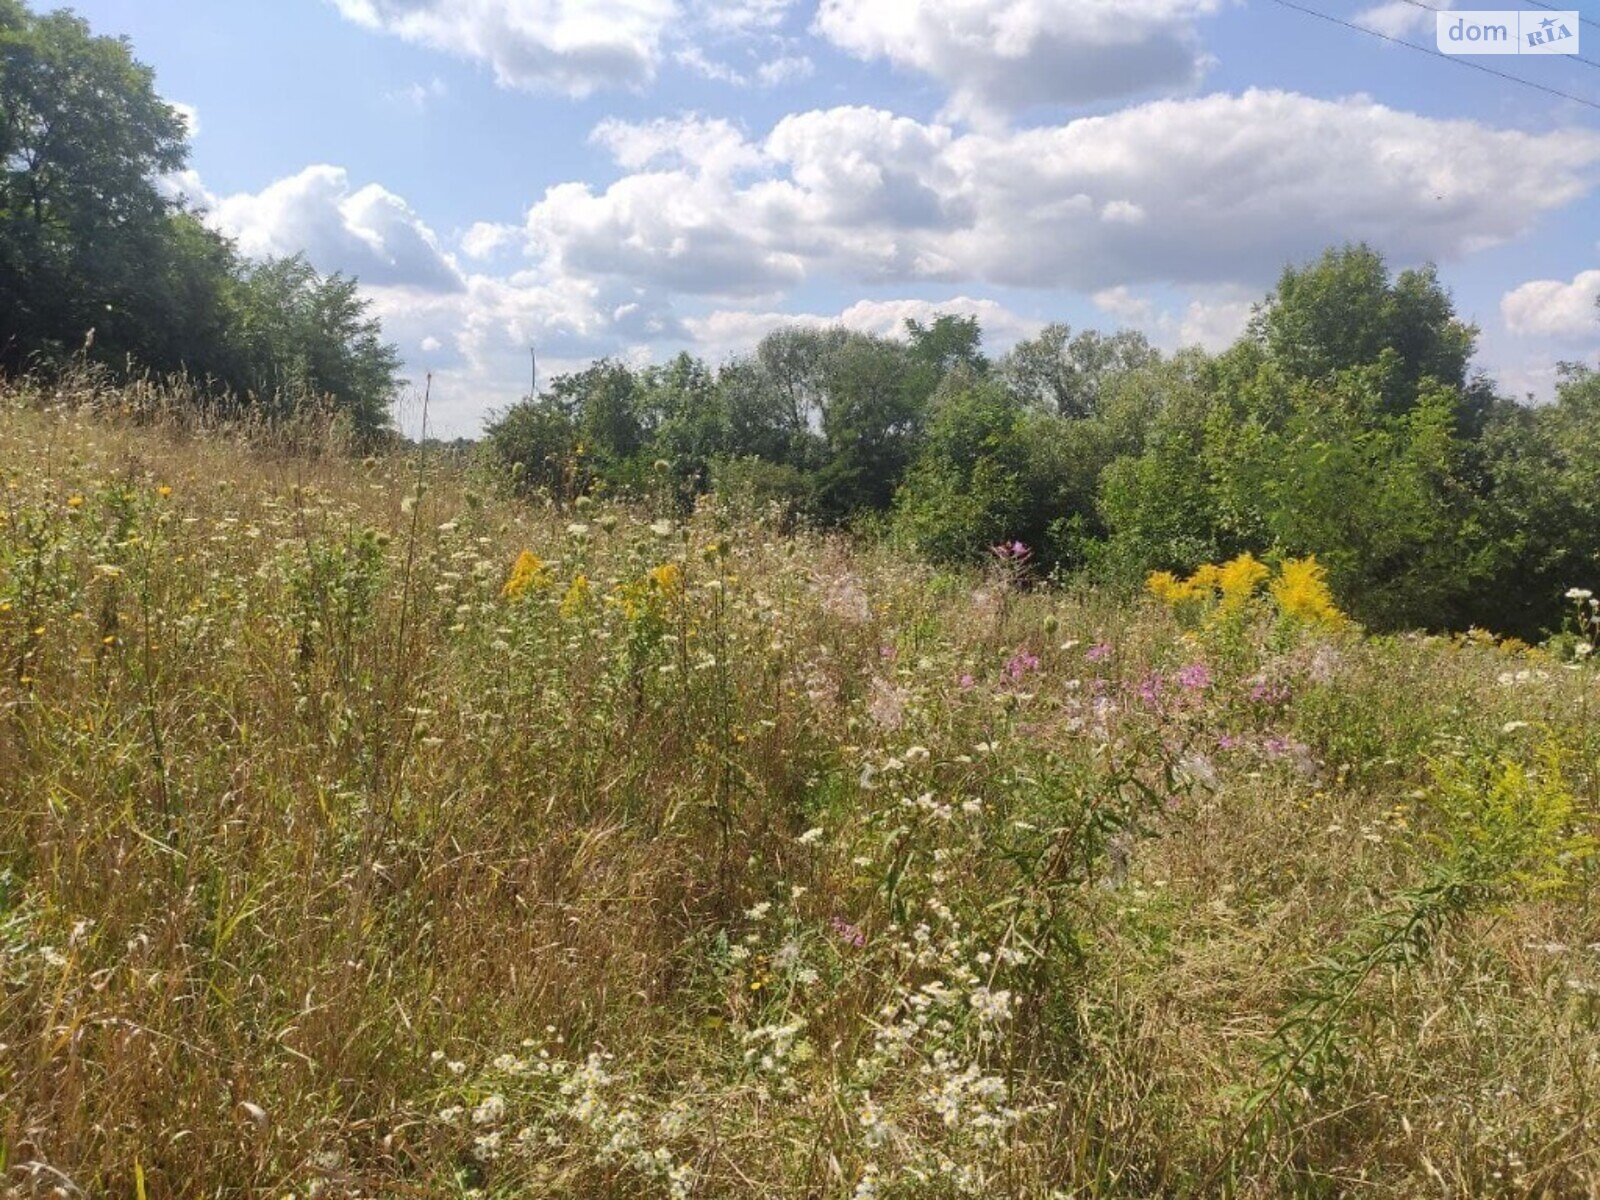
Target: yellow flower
{"x": 527, "y": 574}
{"x": 577, "y": 597}
{"x": 1167, "y": 587}
{"x": 163, "y": 491}
{"x": 1206, "y": 578}
{"x": 667, "y": 578}
{"x": 1301, "y": 591}
{"x": 1238, "y": 580}
{"x": 75, "y": 502}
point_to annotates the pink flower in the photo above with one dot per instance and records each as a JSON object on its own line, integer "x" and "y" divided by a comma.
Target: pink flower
{"x": 848, "y": 932}
{"x": 1098, "y": 652}
{"x": 1150, "y": 688}
{"x": 1196, "y": 677}
{"x": 1021, "y": 663}
{"x": 967, "y": 683}
{"x": 1267, "y": 693}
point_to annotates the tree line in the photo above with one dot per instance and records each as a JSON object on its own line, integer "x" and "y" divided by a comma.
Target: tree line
{"x": 1344, "y": 423}
{"x": 100, "y": 261}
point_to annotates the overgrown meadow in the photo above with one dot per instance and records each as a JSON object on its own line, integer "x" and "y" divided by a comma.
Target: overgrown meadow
{"x": 364, "y": 833}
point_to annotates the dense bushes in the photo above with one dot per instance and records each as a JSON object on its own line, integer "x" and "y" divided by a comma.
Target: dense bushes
{"x": 1343, "y": 424}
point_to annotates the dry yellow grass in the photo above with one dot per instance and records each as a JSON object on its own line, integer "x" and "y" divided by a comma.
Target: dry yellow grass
{"x": 713, "y": 862}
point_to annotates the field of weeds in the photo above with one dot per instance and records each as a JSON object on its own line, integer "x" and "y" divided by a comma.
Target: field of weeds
{"x": 365, "y": 834}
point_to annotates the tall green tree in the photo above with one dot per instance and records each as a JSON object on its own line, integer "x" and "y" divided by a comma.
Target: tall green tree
{"x": 83, "y": 136}
{"x": 1345, "y": 310}
{"x": 1067, "y": 374}
{"x": 98, "y": 258}
{"x": 302, "y": 336}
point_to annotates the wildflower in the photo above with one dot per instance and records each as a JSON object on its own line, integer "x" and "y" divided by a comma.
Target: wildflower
{"x": 1150, "y": 689}
{"x": 991, "y": 1006}
{"x": 1197, "y": 768}
{"x": 1014, "y": 553}
{"x": 491, "y": 1112}
{"x": 849, "y": 933}
{"x": 870, "y": 1118}
{"x": 1262, "y": 692}
{"x": 668, "y": 578}
{"x": 527, "y": 574}
{"x": 75, "y": 502}
{"x": 966, "y": 683}
{"x": 811, "y": 836}
{"x": 1301, "y": 591}
{"x": 1579, "y": 594}
{"x": 577, "y": 596}
{"x": 1021, "y": 663}
{"x": 1196, "y": 677}
{"x": 846, "y": 601}
{"x": 1239, "y": 578}
{"x": 163, "y": 491}
{"x": 1168, "y": 588}
{"x": 1098, "y": 652}
{"x": 886, "y": 705}
{"x": 916, "y": 755}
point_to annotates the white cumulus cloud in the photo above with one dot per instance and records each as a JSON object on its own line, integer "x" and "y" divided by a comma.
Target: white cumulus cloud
{"x": 571, "y": 46}
{"x": 1555, "y": 309}
{"x": 368, "y": 231}
{"x": 1216, "y": 189}
{"x": 999, "y": 56}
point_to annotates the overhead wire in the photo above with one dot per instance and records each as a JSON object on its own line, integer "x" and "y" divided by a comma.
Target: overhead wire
{"x": 1577, "y": 58}
{"x": 1451, "y": 58}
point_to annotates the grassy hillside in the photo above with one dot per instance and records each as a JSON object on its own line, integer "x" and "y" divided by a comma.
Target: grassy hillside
{"x": 363, "y": 834}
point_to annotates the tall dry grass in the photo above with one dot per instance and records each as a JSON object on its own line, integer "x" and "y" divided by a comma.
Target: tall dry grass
{"x": 340, "y": 856}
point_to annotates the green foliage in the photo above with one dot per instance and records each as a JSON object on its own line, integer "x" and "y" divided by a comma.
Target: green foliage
{"x": 302, "y": 336}
{"x": 1543, "y": 466}
{"x": 1105, "y": 457}
{"x": 1351, "y": 383}
{"x": 1063, "y": 374}
{"x": 535, "y": 442}
{"x": 97, "y": 259}
{"x": 1344, "y": 311}
{"x": 871, "y": 418}
{"x": 631, "y": 856}
{"x": 1505, "y": 831}
{"x": 82, "y": 136}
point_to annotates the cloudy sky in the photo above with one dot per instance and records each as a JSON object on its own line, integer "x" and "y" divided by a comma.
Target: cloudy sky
{"x": 634, "y": 177}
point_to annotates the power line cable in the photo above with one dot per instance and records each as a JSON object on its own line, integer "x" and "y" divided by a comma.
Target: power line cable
{"x": 1451, "y": 58}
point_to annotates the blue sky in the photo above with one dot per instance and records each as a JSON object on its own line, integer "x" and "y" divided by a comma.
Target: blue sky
{"x": 635, "y": 177}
